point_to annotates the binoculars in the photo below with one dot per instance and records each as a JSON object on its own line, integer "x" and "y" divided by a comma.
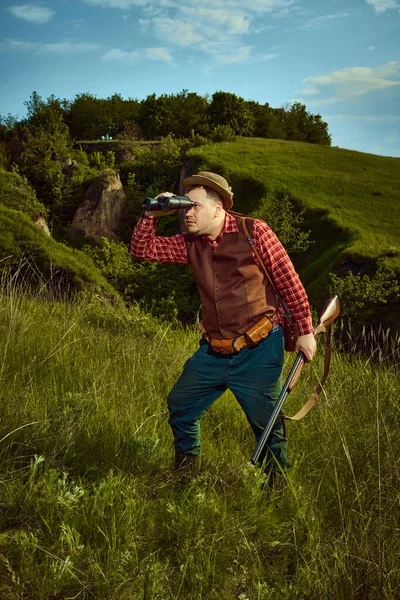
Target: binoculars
{"x": 167, "y": 203}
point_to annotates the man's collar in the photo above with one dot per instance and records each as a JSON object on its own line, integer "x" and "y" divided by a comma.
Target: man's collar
{"x": 230, "y": 224}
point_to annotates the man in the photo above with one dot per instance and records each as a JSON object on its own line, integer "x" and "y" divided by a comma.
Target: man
{"x": 242, "y": 347}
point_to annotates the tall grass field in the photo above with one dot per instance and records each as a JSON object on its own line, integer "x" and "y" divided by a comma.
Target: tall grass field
{"x": 91, "y": 508}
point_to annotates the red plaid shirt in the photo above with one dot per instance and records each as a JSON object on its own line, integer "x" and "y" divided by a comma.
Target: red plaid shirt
{"x": 145, "y": 244}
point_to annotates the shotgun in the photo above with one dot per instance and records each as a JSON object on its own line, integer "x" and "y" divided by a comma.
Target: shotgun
{"x": 330, "y": 312}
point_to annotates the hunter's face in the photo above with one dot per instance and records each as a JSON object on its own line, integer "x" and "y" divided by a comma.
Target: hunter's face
{"x": 200, "y": 218}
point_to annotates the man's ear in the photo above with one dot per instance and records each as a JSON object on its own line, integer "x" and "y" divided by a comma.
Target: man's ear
{"x": 219, "y": 207}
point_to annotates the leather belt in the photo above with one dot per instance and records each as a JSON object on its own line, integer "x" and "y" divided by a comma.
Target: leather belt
{"x": 249, "y": 339}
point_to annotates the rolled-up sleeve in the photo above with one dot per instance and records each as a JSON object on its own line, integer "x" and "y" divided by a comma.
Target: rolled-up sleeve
{"x": 145, "y": 244}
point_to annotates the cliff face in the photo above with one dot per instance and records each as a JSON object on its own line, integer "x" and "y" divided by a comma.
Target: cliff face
{"x": 103, "y": 208}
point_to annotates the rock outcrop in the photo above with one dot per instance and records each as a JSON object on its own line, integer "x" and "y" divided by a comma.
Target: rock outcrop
{"x": 103, "y": 208}
{"x": 40, "y": 222}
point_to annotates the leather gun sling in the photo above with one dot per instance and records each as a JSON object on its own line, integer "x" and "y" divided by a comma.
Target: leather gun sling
{"x": 328, "y": 348}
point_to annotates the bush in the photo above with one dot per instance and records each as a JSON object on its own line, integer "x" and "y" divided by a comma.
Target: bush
{"x": 280, "y": 214}
{"x": 167, "y": 291}
{"x": 362, "y": 295}
{"x": 222, "y": 133}
{"x": 18, "y": 194}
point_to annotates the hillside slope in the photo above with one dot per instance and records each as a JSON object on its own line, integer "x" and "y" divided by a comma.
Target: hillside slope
{"x": 352, "y": 199}
{"x": 25, "y": 249}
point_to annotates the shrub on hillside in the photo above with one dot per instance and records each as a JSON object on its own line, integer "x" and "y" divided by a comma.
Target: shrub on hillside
{"x": 222, "y": 133}
{"x": 167, "y": 291}
{"x": 362, "y": 295}
{"x": 285, "y": 221}
{"x": 17, "y": 193}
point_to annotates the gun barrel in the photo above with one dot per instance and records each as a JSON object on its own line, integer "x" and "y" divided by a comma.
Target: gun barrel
{"x": 277, "y": 409}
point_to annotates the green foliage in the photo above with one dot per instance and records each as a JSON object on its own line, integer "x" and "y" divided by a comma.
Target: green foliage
{"x": 222, "y": 133}
{"x": 17, "y": 193}
{"x": 101, "y": 161}
{"x": 36, "y": 147}
{"x": 91, "y": 118}
{"x": 156, "y": 168}
{"x": 46, "y": 124}
{"x": 231, "y": 111}
{"x": 280, "y": 214}
{"x": 45, "y": 175}
{"x": 166, "y": 291}
{"x": 183, "y": 115}
{"x": 3, "y": 156}
{"x": 361, "y": 295}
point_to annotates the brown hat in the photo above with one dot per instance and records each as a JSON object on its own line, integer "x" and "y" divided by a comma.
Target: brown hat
{"x": 215, "y": 182}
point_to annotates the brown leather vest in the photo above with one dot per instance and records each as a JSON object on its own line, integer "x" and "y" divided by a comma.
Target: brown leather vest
{"x": 234, "y": 291}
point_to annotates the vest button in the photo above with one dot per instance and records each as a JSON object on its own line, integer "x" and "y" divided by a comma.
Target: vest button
{"x": 220, "y": 315}
{"x": 217, "y": 301}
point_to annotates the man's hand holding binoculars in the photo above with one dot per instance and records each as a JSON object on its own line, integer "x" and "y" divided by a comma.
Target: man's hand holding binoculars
{"x": 165, "y": 204}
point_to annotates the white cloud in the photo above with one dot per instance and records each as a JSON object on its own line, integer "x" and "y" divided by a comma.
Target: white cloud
{"x": 218, "y": 20}
{"x": 144, "y": 24}
{"x": 32, "y": 12}
{"x": 62, "y": 48}
{"x": 131, "y": 58}
{"x": 117, "y": 55}
{"x": 354, "y": 81}
{"x": 239, "y": 55}
{"x": 124, "y": 4}
{"x": 17, "y": 45}
{"x": 67, "y": 48}
{"x": 180, "y": 33}
{"x": 215, "y": 27}
{"x": 381, "y": 6}
{"x": 158, "y": 54}
{"x": 370, "y": 48}
{"x": 179, "y": 19}
{"x": 254, "y": 6}
{"x": 323, "y": 20}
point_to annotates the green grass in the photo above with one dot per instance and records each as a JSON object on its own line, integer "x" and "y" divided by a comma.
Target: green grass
{"x": 352, "y": 199}
{"x": 90, "y": 507}
{"x": 45, "y": 260}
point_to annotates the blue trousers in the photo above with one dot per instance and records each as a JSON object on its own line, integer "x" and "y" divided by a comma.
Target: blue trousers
{"x": 254, "y": 376}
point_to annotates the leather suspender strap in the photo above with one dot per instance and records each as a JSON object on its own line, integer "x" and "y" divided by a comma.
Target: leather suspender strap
{"x": 328, "y": 348}
{"x": 264, "y": 268}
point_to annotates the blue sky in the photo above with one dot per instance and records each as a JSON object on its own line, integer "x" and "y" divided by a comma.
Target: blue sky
{"x": 341, "y": 59}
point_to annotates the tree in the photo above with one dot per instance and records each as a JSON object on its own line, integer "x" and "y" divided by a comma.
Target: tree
{"x": 229, "y": 109}
{"x": 88, "y": 118}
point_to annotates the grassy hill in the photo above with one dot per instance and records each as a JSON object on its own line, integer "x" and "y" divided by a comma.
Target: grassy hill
{"x": 352, "y": 199}
{"x": 39, "y": 259}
